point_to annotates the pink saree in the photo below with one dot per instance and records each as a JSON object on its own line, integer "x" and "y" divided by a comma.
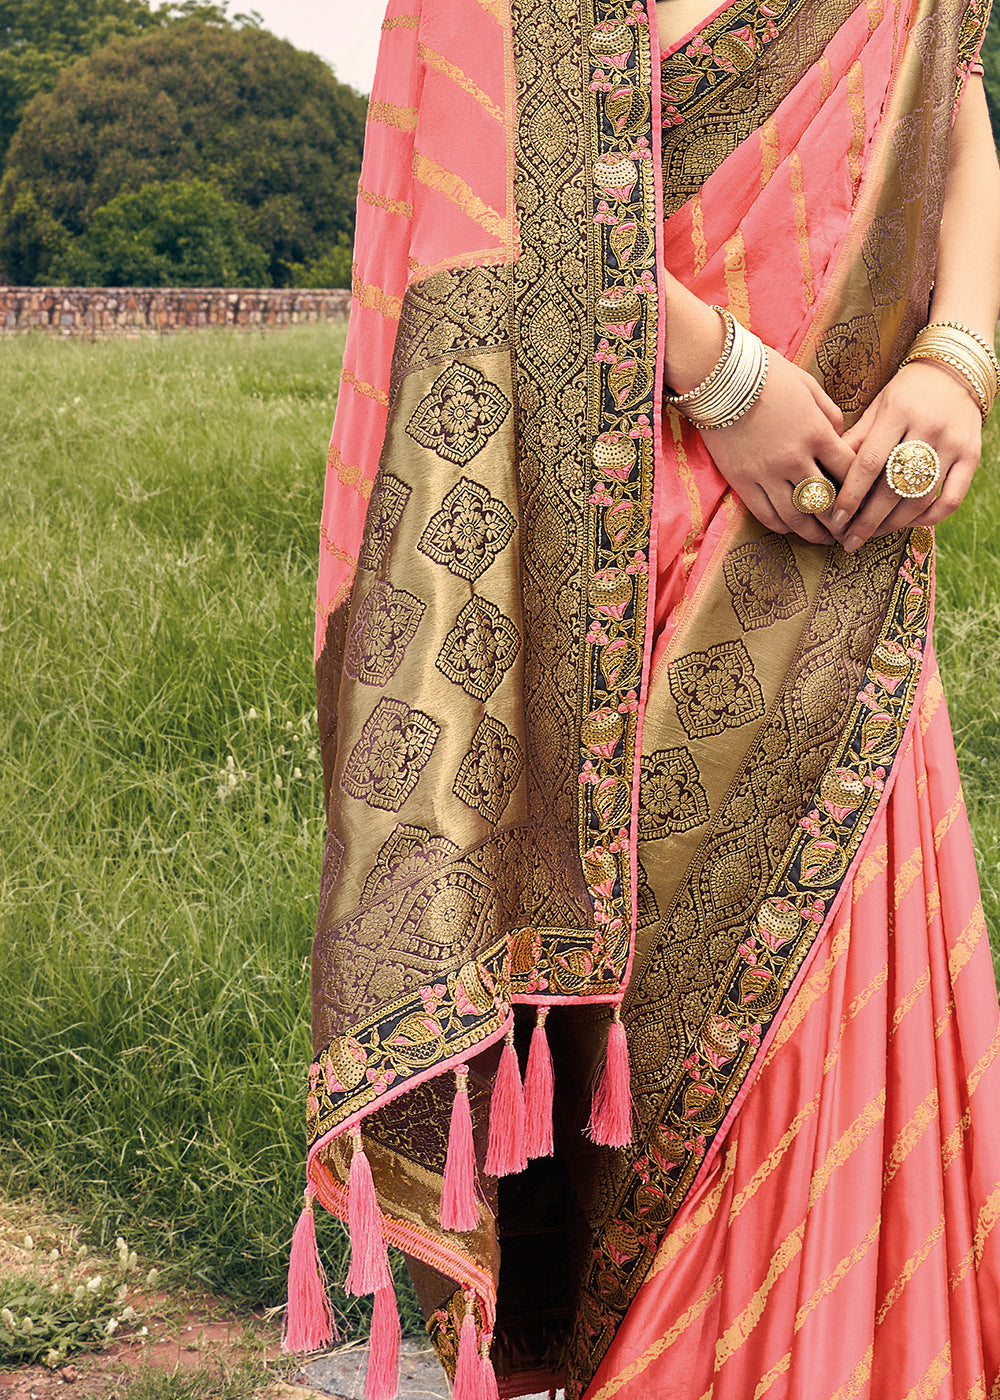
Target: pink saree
{"x": 600, "y": 749}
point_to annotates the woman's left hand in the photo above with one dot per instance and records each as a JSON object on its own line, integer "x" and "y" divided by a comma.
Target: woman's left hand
{"x": 924, "y": 401}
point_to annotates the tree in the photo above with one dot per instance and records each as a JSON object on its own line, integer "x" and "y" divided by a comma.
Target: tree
{"x": 268, "y": 125}
{"x": 180, "y": 234}
{"x": 990, "y": 56}
{"x": 39, "y": 38}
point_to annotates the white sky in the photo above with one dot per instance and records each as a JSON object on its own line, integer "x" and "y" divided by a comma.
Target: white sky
{"x": 344, "y": 32}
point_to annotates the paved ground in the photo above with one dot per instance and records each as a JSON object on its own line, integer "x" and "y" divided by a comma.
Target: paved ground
{"x": 342, "y": 1374}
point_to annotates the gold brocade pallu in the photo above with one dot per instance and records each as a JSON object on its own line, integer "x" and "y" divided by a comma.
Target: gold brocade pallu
{"x": 587, "y": 727}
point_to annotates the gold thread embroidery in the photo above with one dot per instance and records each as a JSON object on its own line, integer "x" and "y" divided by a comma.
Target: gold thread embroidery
{"x": 969, "y": 941}
{"x": 662, "y": 1344}
{"x": 698, "y": 233}
{"x": 856, "y": 103}
{"x": 361, "y": 387}
{"x": 768, "y": 150}
{"x": 494, "y": 9}
{"x": 826, "y": 83}
{"x": 858, "y": 1004}
{"x": 908, "y": 1270}
{"x": 778, "y": 1369}
{"x": 373, "y": 298}
{"x": 335, "y": 550}
{"x": 773, "y": 1158}
{"x": 453, "y": 187}
{"x": 831, "y": 1281}
{"x": 872, "y": 1114}
{"x": 817, "y": 987}
{"x": 389, "y": 114}
{"x": 933, "y": 695}
{"x": 801, "y": 225}
{"x": 381, "y": 201}
{"x": 349, "y": 475}
{"x": 736, "y": 278}
{"x": 923, "y": 1116}
{"x": 401, "y": 22}
{"x": 910, "y": 1000}
{"x": 952, "y": 1144}
{"x": 439, "y": 62}
{"x": 949, "y": 819}
{"x": 982, "y": 1065}
{"x": 855, "y": 1384}
{"x": 909, "y": 872}
{"x": 875, "y": 12}
{"x": 930, "y": 1383}
{"x": 738, "y": 1331}
{"x": 677, "y": 1240}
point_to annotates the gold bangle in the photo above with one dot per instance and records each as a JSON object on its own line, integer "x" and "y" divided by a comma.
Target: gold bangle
{"x": 733, "y": 386}
{"x": 962, "y": 350}
{"x": 943, "y": 357}
{"x": 981, "y": 341}
{"x": 729, "y": 322}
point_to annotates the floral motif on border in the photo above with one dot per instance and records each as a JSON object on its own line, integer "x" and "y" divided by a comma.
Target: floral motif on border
{"x": 774, "y": 946}
{"x": 622, "y": 407}
{"x": 441, "y": 1020}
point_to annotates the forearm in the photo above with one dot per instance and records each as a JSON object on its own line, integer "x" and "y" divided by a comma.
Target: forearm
{"x": 967, "y": 277}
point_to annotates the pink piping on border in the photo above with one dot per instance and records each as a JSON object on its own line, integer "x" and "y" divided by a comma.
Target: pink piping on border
{"x": 823, "y": 934}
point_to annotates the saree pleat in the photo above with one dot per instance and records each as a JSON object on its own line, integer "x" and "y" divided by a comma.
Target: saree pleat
{"x": 855, "y": 1156}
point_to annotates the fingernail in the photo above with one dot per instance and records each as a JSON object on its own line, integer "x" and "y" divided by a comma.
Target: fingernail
{"x": 838, "y": 518}
{"x": 852, "y": 542}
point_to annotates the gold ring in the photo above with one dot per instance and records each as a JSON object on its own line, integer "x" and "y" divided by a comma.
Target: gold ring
{"x": 813, "y": 494}
{"x": 913, "y": 469}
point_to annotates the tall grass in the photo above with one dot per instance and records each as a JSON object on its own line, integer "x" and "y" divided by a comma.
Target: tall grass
{"x": 160, "y": 793}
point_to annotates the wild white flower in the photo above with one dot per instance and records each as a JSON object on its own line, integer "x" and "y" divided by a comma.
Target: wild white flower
{"x": 133, "y": 1261}
{"x": 297, "y": 773}
{"x": 121, "y": 1246}
{"x": 79, "y": 1293}
{"x": 251, "y": 713}
{"x": 121, "y": 1293}
{"x": 7, "y": 1318}
{"x": 53, "y": 1255}
{"x": 277, "y": 781}
{"x": 29, "y": 1243}
{"x": 82, "y": 1252}
{"x": 151, "y": 1278}
{"x": 27, "y": 1326}
{"x": 111, "y": 1326}
{"x": 94, "y": 1283}
{"x": 52, "y": 1357}
{"x": 127, "y": 1314}
{"x": 231, "y": 780}
{"x": 230, "y": 764}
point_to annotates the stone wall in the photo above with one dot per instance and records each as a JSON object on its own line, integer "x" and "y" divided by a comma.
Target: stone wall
{"x": 103, "y": 311}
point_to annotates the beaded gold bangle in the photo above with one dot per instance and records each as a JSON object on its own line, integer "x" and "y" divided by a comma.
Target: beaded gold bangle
{"x": 962, "y": 350}
{"x": 733, "y": 386}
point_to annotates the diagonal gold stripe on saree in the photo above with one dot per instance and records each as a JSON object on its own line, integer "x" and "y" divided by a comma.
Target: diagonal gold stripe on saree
{"x": 675, "y": 1240}
{"x": 768, "y": 1379}
{"x": 857, "y": 1381}
{"x": 374, "y": 298}
{"x": 389, "y": 114}
{"x": 950, "y": 817}
{"x": 453, "y": 187}
{"x": 931, "y": 702}
{"x": 810, "y": 992}
{"x": 335, "y": 549}
{"x": 838, "y": 1274}
{"x": 361, "y": 387}
{"x": 450, "y": 70}
{"x": 698, "y": 233}
{"x": 923, "y": 1116}
{"x": 662, "y": 1344}
{"x": 977, "y": 1390}
{"x": 350, "y": 476}
{"x": 742, "y": 1326}
{"x": 988, "y": 1215}
{"x": 381, "y": 201}
{"x": 856, "y": 103}
{"x": 401, "y": 22}
{"x": 952, "y": 1144}
{"x": 908, "y": 1270}
{"x": 974, "y": 931}
{"x": 735, "y": 262}
{"x": 801, "y": 226}
{"x": 858, "y": 1004}
{"x": 768, "y": 139}
{"x": 929, "y": 1384}
{"x": 495, "y": 10}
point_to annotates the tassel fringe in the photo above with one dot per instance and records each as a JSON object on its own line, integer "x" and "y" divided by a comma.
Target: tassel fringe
{"x": 490, "y": 1389}
{"x": 369, "y": 1270}
{"x": 539, "y": 1083}
{"x": 506, "y": 1153}
{"x": 308, "y": 1318}
{"x": 468, "y": 1367}
{"x": 382, "y": 1381}
{"x": 458, "y": 1194}
{"x": 611, "y": 1111}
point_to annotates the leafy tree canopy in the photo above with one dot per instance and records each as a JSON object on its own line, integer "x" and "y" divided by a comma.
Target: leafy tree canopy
{"x": 268, "y": 125}
{"x": 39, "y": 38}
{"x": 180, "y": 234}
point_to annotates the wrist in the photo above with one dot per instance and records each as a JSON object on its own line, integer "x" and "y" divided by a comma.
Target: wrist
{"x": 695, "y": 339}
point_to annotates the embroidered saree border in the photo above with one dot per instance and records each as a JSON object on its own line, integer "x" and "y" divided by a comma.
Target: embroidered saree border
{"x": 775, "y": 943}
{"x": 752, "y": 54}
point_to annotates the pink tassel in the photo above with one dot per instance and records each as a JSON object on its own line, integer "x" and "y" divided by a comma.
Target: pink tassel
{"x": 490, "y": 1389}
{"x": 308, "y": 1318}
{"x": 369, "y": 1269}
{"x": 539, "y": 1082}
{"x": 458, "y": 1194}
{"x": 611, "y": 1111}
{"x": 505, "y": 1153}
{"x": 468, "y": 1368}
{"x": 382, "y": 1381}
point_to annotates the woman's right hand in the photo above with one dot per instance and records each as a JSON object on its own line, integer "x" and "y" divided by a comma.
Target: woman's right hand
{"x": 792, "y": 431}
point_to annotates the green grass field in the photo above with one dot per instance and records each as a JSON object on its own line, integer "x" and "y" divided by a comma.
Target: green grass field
{"x": 160, "y": 792}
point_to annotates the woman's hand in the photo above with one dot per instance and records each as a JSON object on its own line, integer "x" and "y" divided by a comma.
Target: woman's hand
{"x": 924, "y": 401}
{"x": 792, "y": 431}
